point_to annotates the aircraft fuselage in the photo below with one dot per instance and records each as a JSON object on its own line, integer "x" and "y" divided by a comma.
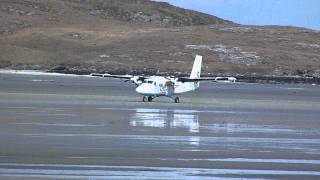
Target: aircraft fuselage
{"x": 164, "y": 86}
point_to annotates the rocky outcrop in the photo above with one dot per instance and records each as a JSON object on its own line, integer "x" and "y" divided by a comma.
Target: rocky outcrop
{"x": 145, "y": 11}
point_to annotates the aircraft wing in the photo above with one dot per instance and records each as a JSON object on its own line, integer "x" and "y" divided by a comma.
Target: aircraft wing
{"x": 216, "y": 79}
{"x": 112, "y": 76}
{"x": 195, "y": 79}
{"x": 134, "y": 79}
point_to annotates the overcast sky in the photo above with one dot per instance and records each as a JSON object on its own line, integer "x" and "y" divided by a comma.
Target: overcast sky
{"x": 302, "y": 13}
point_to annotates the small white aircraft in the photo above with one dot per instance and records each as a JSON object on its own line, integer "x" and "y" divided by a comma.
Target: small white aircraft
{"x": 152, "y": 87}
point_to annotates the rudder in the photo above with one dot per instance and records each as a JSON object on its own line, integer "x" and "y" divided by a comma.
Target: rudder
{"x": 196, "y": 69}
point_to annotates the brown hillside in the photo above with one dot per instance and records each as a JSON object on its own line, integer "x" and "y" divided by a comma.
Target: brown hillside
{"x": 141, "y": 35}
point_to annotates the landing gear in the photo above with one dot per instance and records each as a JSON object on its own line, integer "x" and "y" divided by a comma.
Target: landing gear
{"x": 147, "y": 98}
{"x": 144, "y": 98}
{"x": 177, "y": 100}
{"x": 150, "y": 99}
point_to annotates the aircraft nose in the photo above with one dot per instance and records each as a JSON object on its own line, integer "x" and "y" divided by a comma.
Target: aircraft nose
{"x": 139, "y": 89}
{"x": 144, "y": 89}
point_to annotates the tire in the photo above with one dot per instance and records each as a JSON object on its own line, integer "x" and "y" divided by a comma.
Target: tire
{"x": 144, "y": 98}
{"x": 150, "y": 99}
{"x": 177, "y": 100}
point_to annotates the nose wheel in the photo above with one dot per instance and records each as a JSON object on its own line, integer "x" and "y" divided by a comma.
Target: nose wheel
{"x": 177, "y": 100}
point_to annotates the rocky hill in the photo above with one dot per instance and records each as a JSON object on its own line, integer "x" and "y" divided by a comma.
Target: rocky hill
{"x": 142, "y": 36}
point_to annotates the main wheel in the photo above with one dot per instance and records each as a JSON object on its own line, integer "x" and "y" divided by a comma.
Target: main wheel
{"x": 150, "y": 98}
{"x": 177, "y": 100}
{"x": 144, "y": 98}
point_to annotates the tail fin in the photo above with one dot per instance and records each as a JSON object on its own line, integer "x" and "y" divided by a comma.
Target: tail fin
{"x": 196, "y": 69}
{"x": 195, "y": 74}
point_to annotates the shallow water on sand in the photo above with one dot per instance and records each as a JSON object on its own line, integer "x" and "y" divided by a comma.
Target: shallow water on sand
{"x": 84, "y": 128}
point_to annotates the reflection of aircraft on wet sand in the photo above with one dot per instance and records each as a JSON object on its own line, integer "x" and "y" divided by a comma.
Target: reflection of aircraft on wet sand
{"x": 162, "y": 118}
{"x": 155, "y": 86}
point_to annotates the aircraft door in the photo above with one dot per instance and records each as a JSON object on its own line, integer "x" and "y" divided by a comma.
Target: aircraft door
{"x": 170, "y": 88}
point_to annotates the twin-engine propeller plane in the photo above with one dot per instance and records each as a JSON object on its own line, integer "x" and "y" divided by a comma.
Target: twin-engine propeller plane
{"x": 152, "y": 87}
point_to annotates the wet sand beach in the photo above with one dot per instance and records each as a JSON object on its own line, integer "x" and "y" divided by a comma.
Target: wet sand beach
{"x": 78, "y": 127}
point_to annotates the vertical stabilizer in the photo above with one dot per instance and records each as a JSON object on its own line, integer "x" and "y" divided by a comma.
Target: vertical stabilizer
{"x": 195, "y": 74}
{"x": 196, "y": 69}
